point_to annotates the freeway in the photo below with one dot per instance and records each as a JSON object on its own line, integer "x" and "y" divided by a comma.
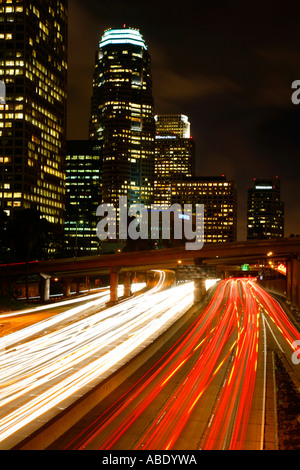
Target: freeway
{"x": 40, "y": 318}
{"x": 49, "y": 363}
{"x": 207, "y": 390}
{"x": 43, "y": 318}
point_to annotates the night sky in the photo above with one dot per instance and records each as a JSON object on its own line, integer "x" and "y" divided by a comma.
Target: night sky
{"x": 227, "y": 65}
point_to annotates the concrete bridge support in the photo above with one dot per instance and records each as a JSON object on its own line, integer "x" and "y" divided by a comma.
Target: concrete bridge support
{"x": 114, "y": 282}
{"x": 45, "y": 287}
{"x": 67, "y": 286}
{"x": 127, "y": 283}
{"x": 293, "y": 281}
{"x": 199, "y": 289}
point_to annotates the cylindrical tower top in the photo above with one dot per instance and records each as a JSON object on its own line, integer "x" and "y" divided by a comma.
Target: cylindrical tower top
{"x": 122, "y": 36}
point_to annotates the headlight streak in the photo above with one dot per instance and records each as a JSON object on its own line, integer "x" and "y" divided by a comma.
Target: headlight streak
{"x": 232, "y": 318}
{"x": 54, "y": 345}
{"x": 183, "y": 352}
{"x": 105, "y": 291}
{"x": 187, "y": 395}
{"x": 164, "y": 365}
{"x": 41, "y": 326}
{"x": 238, "y": 321}
{"x": 128, "y": 325}
{"x": 70, "y": 385}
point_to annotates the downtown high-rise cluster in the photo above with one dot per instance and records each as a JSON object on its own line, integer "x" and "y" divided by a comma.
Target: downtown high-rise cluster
{"x": 130, "y": 150}
{"x": 150, "y": 158}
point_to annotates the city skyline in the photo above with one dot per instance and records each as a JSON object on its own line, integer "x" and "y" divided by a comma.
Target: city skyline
{"x": 145, "y": 158}
{"x": 149, "y": 228}
{"x": 244, "y": 124}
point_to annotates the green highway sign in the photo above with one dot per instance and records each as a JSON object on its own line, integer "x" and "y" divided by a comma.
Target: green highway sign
{"x": 245, "y": 267}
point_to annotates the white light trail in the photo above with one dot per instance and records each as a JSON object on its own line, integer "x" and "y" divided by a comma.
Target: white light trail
{"x": 40, "y": 373}
{"x": 57, "y": 304}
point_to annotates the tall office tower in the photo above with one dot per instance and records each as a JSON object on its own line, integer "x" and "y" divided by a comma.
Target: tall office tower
{"x": 33, "y": 66}
{"x": 83, "y": 195}
{"x": 174, "y": 155}
{"x": 219, "y": 198}
{"x": 265, "y": 210}
{"x": 122, "y": 116}
{"x": 173, "y": 124}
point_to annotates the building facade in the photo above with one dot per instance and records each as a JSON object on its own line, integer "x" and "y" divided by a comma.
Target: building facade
{"x": 33, "y": 67}
{"x": 173, "y": 124}
{"x": 265, "y": 210}
{"x": 174, "y": 155}
{"x": 122, "y": 116}
{"x": 84, "y": 194}
{"x": 219, "y": 198}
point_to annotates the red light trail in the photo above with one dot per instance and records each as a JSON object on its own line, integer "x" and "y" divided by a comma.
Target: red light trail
{"x": 226, "y": 332}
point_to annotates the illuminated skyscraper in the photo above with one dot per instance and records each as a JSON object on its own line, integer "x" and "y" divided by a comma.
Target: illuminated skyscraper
{"x": 174, "y": 154}
{"x": 83, "y": 188}
{"x": 122, "y": 116}
{"x": 33, "y": 66}
{"x": 265, "y": 210}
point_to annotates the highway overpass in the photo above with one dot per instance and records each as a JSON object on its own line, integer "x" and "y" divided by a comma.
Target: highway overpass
{"x": 287, "y": 249}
